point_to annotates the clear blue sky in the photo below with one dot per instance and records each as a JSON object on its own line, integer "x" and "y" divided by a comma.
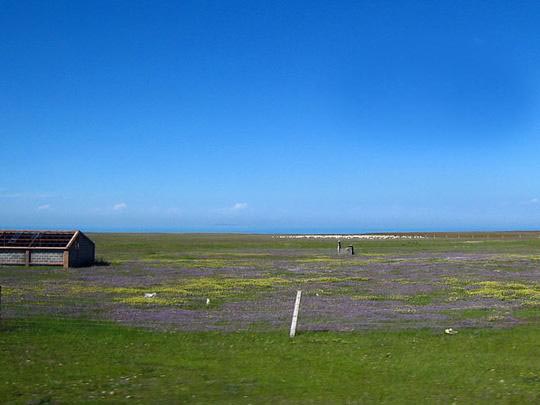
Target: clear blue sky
{"x": 270, "y": 115}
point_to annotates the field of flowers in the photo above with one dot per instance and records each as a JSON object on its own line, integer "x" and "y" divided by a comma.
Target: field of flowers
{"x": 237, "y": 282}
{"x": 204, "y": 318}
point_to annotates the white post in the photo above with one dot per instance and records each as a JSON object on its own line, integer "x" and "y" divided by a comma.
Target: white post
{"x": 295, "y": 313}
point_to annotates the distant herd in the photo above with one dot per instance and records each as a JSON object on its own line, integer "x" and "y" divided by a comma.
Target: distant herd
{"x": 352, "y": 236}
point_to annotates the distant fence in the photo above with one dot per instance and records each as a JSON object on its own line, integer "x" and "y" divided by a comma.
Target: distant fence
{"x": 474, "y": 235}
{"x": 418, "y": 235}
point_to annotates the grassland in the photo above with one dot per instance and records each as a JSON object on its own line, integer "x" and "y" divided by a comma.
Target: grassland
{"x": 73, "y": 362}
{"x": 371, "y": 326}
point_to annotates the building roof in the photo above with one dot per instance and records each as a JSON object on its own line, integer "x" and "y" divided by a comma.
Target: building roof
{"x": 37, "y": 239}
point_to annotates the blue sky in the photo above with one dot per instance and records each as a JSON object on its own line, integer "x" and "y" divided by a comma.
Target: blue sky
{"x": 270, "y": 116}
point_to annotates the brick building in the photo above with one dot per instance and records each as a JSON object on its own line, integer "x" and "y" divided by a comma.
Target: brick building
{"x": 50, "y": 248}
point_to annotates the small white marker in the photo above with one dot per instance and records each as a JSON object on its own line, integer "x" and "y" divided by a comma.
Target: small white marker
{"x": 208, "y": 301}
{"x": 295, "y": 314}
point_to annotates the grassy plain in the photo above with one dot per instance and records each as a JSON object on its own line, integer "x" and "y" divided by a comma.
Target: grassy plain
{"x": 371, "y": 326}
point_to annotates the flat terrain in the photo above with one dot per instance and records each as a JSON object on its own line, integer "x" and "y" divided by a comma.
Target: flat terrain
{"x": 371, "y": 326}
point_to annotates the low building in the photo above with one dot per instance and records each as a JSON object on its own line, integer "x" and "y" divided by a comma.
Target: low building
{"x": 49, "y": 248}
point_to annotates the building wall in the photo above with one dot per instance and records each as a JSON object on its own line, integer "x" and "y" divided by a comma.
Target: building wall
{"x": 18, "y": 256}
{"x": 82, "y": 252}
{"x": 12, "y": 257}
{"x": 46, "y": 256}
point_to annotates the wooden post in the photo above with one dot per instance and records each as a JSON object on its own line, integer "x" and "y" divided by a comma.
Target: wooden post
{"x": 338, "y": 247}
{"x": 295, "y": 314}
{"x": 66, "y": 259}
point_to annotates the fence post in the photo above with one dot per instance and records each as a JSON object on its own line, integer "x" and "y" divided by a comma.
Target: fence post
{"x": 292, "y": 333}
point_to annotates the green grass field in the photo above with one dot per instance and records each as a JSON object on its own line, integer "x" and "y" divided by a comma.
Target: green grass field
{"x": 60, "y": 344}
{"x": 72, "y": 362}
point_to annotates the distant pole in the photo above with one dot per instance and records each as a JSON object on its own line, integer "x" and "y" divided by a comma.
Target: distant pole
{"x": 338, "y": 247}
{"x": 295, "y": 314}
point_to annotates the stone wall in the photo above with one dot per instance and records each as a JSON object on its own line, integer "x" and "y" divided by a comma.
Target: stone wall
{"x": 18, "y": 256}
{"x": 12, "y": 257}
{"x": 46, "y": 256}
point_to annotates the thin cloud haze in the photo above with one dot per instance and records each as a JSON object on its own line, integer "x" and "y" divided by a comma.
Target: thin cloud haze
{"x": 119, "y": 206}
